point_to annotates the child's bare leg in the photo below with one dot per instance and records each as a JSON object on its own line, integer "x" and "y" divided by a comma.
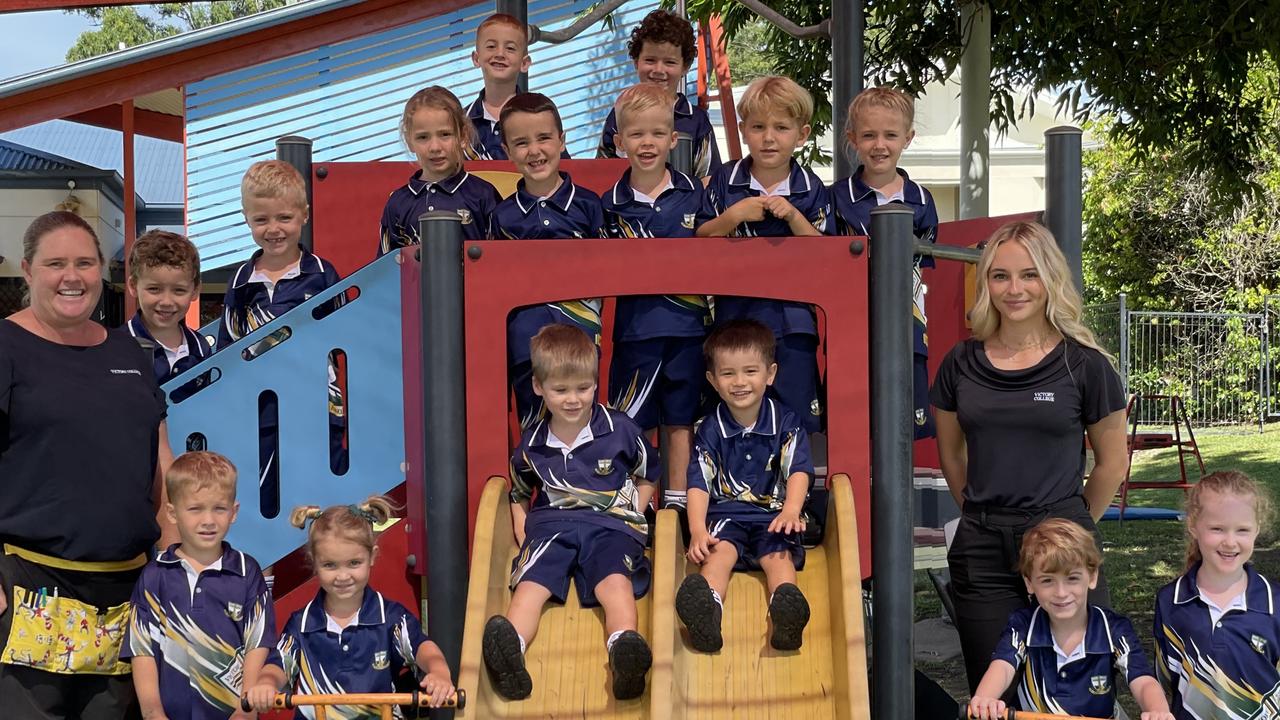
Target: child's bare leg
{"x": 677, "y": 445}
{"x": 525, "y": 609}
{"x": 699, "y": 601}
{"x": 718, "y": 568}
{"x": 505, "y": 640}
{"x": 629, "y": 655}
{"x": 617, "y": 597}
{"x": 778, "y": 569}
{"x": 788, "y": 608}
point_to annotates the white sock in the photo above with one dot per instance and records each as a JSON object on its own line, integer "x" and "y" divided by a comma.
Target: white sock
{"x": 522, "y": 645}
{"x": 674, "y": 498}
{"x": 608, "y": 644}
{"x": 716, "y": 596}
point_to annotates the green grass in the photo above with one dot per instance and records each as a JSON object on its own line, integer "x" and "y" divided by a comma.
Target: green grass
{"x": 1141, "y": 556}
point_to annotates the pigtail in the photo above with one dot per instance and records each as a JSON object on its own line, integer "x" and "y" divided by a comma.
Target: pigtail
{"x": 377, "y": 509}
{"x": 302, "y": 513}
{"x": 1225, "y": 482}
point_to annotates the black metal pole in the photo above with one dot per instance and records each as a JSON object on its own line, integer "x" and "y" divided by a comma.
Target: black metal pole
{"x": 444, "y": 422}
{"x": 519, "y": 9}
{"x": 846, "y": 75}
{"x": 296, "y": 150}
{"x": 1063, "y": 195}
{"x": 892, "y": 241}
{"x": 682, "y": 156}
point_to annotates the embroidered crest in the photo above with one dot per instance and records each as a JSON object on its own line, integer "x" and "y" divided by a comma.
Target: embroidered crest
{"x": 689, "y": 219}
{"x": 465, "y": 214}
{"x": 604, "y": 466}
{"x": 380, "y": 661}
{"x": 629, "y": 562}
{"x": 1259, "y": 644}
{"x": 920, "y": 418}
{"x": 1099, "y": 685}
{"x": 815, "y": 407}
{"x": 235, "y": 611}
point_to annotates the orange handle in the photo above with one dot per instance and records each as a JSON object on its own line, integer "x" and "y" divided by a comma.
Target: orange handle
{"x": 288, "y": 701}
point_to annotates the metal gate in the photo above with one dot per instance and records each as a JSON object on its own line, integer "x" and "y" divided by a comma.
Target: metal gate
{"x": 1270, "y": 378}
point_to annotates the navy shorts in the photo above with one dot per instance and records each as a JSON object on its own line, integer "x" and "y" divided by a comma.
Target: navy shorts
{"x": 797, "y": 382}
{"x": 658, "y": 381}
{"x": 750, "y": 535}
{"x": 556, "y": 550}
{"x": 923, "y": 417}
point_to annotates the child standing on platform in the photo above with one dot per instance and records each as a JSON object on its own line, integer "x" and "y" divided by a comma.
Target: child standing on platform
{"x": 502, "y": 53}
{"x": 164, "y": 277}
{"x": 1216, "y": 628}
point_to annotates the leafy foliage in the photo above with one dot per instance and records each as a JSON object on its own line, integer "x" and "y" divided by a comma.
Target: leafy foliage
{"x": 129, "y": 26}
{"x": 749, "y": 52}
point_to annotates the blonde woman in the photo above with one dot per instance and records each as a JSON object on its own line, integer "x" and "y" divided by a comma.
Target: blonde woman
{"x": 1013, "y": 406}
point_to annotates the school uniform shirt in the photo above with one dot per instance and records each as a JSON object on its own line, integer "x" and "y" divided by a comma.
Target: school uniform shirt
{"x": 318, "y": 657}
{"x": 471, "y": 197}
{"x": 689, "y": 119}
{"x": 198, "y": 628}
{"x": 804, "y": 190}
{"x": 1051, "y": 680}
{"x": 1224, "y": 669}
{"x": 488, "y": 137}
{"x": 569, "y": 212}
{"x": 1024, "y": 429}
{"x": 672, "y": 214}
{"x": 598, "y": 474}
{"x": 170, "y": 362}
{"x": 251, "y": 301}
{"x": 744, "y": 470}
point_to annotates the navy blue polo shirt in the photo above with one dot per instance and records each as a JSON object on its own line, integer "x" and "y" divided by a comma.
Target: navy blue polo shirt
{"x": 673, "y": 214}
{"x": 597, "y": 475}
{"x": 167, "y": 365}
{"x": 689, "y": 119}
{"x": 251, "y": 303}
{"x": 1219, "y": 670}
{"x": 571, "y": 211}
{"x": 745, "y": 470}
{"x": 731, "y": 184}
{"x": 854, "y": 200}
{"x": 1084, "y": 684}
{"x": 198, "y": 635}
{"x": 471, "y": 197}
{"x": 488, "y": 140}
{"x": 364, "y": 657}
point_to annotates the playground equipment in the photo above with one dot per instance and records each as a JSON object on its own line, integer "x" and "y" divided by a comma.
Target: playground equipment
{"x": 385, "y": 702}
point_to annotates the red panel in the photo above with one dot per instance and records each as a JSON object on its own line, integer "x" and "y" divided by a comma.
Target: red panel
{"x": 146, "y": 122}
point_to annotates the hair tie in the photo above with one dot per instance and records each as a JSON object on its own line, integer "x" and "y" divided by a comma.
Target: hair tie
{"x": 363, "y": 513}
{"x": 312, "y": 515}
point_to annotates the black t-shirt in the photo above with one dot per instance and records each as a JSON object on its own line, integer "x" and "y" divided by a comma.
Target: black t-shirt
{"x": 79, "y": 430}
{"x": 1025, "y": 428}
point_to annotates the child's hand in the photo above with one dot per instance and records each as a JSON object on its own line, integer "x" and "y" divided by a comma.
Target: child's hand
{"x": 787, "y": 522}
{"x": 700, "y": 542}
{"x": 985, "y": 708}
{"x": 780, "y": 207}
{"x": 262, "y": 696}
{"x": 750, "y": 209}
{"x": 1157, "y": 715}
{"x": 439, "y": 686}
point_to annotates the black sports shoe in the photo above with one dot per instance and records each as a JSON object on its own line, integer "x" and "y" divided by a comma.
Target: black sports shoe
{"x": 790, "y": 613}
{"x": 502, "y": 656}
{"x": 629, "y": 660}
{"x": 698, "y": 610}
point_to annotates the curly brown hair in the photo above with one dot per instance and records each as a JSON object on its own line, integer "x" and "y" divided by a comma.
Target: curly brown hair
{"x": 661, "y": 26}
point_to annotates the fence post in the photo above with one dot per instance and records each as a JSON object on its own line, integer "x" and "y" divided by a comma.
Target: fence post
{"x": 1124, "y": 342}
{"x": 296, "y": 150}
{"x": 1063, "y": 199}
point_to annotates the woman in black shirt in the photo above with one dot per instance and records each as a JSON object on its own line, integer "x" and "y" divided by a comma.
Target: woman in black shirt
{"x": 1014, "y": 404}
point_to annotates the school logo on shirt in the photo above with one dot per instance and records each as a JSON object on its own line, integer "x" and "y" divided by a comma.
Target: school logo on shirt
{"x": 1099, "y": 685}
{"x": 629, "y": 562}
{"x": 235, "y": 611}
{"x": 380, "y": 661}
{"x": 604, "y": 467}
{"x": 1259, "y": 644}
{"x": 1043, "y": 397}
{"x": 689, "y": 219}
{"x": 815, "y": 407}
{"x": 465, "y": 214}
{"x": 920, "y": 419}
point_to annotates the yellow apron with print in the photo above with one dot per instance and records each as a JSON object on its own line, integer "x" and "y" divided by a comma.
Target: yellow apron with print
{"x": 66, "y": 636}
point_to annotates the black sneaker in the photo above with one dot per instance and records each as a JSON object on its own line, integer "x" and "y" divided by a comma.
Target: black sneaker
{"x": 629, "y": 660}
{"x": 698, "y": 610}
{"x": 505, "y": 661}
{"x": 789, "y": 612}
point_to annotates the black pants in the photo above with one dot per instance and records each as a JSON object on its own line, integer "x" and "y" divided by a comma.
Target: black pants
{"x": 986, "y": 585}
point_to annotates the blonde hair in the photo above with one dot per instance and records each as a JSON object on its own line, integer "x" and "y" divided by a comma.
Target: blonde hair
{"x": 197, "y": 470}
{"x": 562, "y": 351}
{"x": 641, "y": 97}
{"x": 438, "y": 98}
{"x": 882, "y": 97}
{"x": 275, "y": 179}
{"x": 503, "y": 20}
{"x": 353, "y": 523}
{"x": 1224, "y": 482}
{"x": 775, "y": 93}
{"x": 1063, "y": 306}
{"x": 1058, "y": 546}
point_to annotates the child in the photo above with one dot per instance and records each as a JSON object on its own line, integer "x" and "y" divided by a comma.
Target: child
{"x": 1064, "y": 653}
{"x": 312, "y": 656}
{"x": 546, "y": 205}
{"x": 663, "y": 47}
{"x": 164, "y": 277}
{"x": 748, "y": 481}
{"x": 1216, "y": 628}
{"x": 657, "y": 371}
{"x": 502, "y": 53}
{"x": 203, "y": 619}
{"x": 436, "y": 131}
{"x": 769, "y": 194}
{"x": 879, "y": 128}
{"x": 278, "y": 277}
{"x": 579, "y": 483}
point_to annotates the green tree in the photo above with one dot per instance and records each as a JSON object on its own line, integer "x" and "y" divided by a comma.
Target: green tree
{"x": 128, "y": 26}
{"x": 749, "y": 52}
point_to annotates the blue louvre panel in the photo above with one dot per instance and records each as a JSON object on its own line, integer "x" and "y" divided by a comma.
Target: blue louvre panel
{"x": 348, "y": 98}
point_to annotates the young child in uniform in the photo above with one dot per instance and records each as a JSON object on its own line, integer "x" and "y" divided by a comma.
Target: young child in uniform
{"x": 502, "y": 53}
{"x": 580, "y": 481}
{"x": 663, "y": 47}
{"x": 879, "y": 127}
{"x": 436, "y": 131}
{"x": 545, "y": 206}
{"x": 203, "y": 621}
{"x": 1216, "y": 628}
{"x": 314, "y": 654}
{"x": 657, "y": 372}
{"x": 748, "y": 481}
{"x": 1065, "y": 653}
{"x": 164, "y": 277}
{"x": 769, "y": 194}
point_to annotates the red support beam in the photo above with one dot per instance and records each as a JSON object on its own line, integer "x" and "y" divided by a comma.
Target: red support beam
{"x": 130, "y": 198}
{"x": 145, "y": 122}
{"x": 720, "y": 58}
{"x": 184, "y": 65}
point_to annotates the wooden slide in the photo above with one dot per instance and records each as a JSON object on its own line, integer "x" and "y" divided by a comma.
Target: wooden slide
{"x": 827, "y": 678}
